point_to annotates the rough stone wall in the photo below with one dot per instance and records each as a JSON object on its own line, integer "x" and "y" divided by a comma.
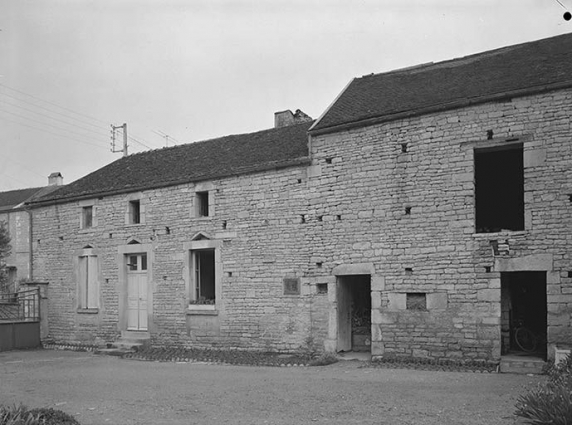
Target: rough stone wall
{"x": 257, "y": 217}
{"x": 18, "y": 224}
{"x": 362, "y": 206}
{"x": 411, "y": 215}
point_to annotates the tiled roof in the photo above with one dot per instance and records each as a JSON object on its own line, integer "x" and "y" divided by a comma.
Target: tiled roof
{"x": 210, "y": 159}
{"x": 506, "y": 72}
{"x": 16, "y": 198}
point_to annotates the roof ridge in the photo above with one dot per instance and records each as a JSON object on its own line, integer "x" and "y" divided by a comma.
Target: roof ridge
{"x": 459, "y": 59}
{"x": 196, "y": 142}
{"x": 517, "y": 70}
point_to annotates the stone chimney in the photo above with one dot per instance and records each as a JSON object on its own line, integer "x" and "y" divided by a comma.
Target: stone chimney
{"x": 55, "y": 179}
{"x": 286, "y": 118}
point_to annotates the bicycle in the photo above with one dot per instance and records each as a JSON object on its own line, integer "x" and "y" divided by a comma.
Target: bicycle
{"x": 525, "y": 339}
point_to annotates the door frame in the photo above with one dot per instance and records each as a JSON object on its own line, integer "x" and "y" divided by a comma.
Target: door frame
{"x": 530, "y": 263}
{"x": 341, "y": 271}
{"x": 141, "y": 321}
{"x": 122, "y": 252}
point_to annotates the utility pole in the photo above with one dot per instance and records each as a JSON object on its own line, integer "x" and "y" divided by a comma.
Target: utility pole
{"x": 113, "y": 129}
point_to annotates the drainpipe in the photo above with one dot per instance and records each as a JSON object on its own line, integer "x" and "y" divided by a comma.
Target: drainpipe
{"x": 31, "y": 244}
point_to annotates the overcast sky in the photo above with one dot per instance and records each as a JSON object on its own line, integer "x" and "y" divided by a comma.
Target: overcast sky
{"x": 199, "y": 69}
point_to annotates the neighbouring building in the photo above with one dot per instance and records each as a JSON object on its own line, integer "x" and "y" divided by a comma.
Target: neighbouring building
{"x": 17, "y": 220}
{"x": 426, "y": 214}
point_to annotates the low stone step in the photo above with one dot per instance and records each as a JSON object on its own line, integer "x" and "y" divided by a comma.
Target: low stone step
{"x": 113, "y": 351}
{"x": 521, "y": 365}
{"x": 122, "y": 344}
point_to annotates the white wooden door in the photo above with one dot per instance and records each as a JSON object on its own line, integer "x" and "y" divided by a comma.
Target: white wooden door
{"x": 137, "y": 292}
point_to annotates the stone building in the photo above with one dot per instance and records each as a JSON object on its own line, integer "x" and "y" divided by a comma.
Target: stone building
{"x": 426, "y": 214}
{"x": 17, "y": 220}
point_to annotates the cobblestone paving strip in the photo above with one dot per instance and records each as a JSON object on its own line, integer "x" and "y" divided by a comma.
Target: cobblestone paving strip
{"x": 248, "y": 358}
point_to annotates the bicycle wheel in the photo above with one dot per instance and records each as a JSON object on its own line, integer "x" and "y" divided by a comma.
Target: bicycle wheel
{"x": 525, "y": 340}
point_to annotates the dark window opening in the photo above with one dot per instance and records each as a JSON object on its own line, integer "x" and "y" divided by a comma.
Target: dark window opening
{"x": 203, "y": 204}
{"x": 404, "y": 147}
{"x": 135, "y": 212}
{"x": 499, "y": 189}
{"x": 322, "y": 288}
{"x": 204, "y": 264}
{"x": 291, "y": 286}
{"x": 87, "y": 217}
{"x": 416, "y": 301}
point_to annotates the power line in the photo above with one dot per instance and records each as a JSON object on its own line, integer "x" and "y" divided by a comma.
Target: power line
{"x": 53, "y": 104}
{"x": 75, "y": 139}
{"x": 45, "y": 124}
{"x": 136, "y": 140}
{"x": 50, "y": 110}
{"x": 55, "y": 119}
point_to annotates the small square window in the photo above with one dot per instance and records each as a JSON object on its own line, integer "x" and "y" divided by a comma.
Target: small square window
{"x": 416, "y": 301}
{"x": 322, "y": 288}
{"x": 87, "y": 217}
{"x": 135, "y": 212}
{"x": 202, "y": 204}
{"x": 291, "y": 286}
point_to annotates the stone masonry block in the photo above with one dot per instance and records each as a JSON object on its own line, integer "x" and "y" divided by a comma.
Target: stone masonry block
{"x": 552, "y": 277}
{"x": 527, "y": 263}
{"x": 463, "y": 177}
{"x": 396, "y": 301}
{"x": 377, "y": 283}
{"x": 437, "y": 300}
{"x": 377, "y": 348}
{"x": 375, "y": 299}
{"x": 494, "y": 283}
{"x": 314, "y": 171}
{"x": 491, "y": 295}
{"x": 534, "y": 157}
{"x": 379, "y": 318}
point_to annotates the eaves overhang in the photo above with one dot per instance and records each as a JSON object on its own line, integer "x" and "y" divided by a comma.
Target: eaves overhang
{"x": 98, "y": 194}
{"x": 498, "y": 97}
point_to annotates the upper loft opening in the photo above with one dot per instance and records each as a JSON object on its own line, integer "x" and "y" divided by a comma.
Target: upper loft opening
{"x": 499, "y": 189}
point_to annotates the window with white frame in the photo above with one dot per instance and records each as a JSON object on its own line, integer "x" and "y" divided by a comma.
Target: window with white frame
{"x": 203, "y": 263}
{"x": 88, "y": 281}
{"x": 204, "y": 272}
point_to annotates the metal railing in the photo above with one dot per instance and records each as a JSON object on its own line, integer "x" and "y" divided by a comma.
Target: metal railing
{"x": 22, "y": 306}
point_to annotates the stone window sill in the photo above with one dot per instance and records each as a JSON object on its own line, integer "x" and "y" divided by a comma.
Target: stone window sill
{"x": 202, "y": 310}
{"x": 88, "y": 310}
{"x": 504, "y": 233}
{"x": 87, "y": 229}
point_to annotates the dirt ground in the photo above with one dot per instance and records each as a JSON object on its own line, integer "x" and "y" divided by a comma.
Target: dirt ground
{"x": 109, "y": 390}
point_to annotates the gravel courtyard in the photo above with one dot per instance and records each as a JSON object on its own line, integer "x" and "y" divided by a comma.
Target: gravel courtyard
{"x": 109, "y": 390}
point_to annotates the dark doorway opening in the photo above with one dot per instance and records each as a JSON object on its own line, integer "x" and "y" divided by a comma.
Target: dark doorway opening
{"x": 354, "y": 313}
{"x": 523, "y": 313}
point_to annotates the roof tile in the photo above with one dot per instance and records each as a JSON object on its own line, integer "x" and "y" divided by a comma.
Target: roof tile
{"x": 453, "y": 83}
{"x": 210, "y": 159}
